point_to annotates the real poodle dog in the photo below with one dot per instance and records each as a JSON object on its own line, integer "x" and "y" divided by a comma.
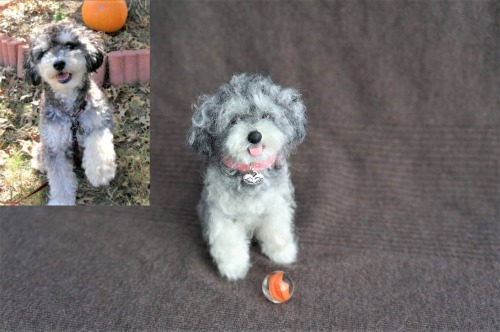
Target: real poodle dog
{"x": 244, "y": 133}
{"x": 74, "y": 114}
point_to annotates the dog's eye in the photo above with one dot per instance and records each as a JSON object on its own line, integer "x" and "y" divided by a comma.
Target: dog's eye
{"x": 267, "y": 116}
{"x": 40, "y": 55}
{"x": 235, "y": 120}
{"x": 70, "y": 46}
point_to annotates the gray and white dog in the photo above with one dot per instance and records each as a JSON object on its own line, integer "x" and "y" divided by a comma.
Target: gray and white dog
{"x": 74, "y": 112}
{"x": 244, "y": 134}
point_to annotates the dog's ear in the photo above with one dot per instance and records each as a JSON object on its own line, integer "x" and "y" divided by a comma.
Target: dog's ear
{"x": 296, "y": 113}
{"x": 94, "y": 61}
{"x": 95, "y": 53}
{"x": 200, "y": 138}
{"x": 201, "y": 141}
{"x": 31, "y": 74}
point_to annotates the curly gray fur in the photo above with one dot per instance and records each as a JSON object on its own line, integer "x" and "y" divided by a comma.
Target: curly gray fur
{"x": 62, "y": 57}
{"x": 232, "y": 210}
{"x": 212, "y": 115}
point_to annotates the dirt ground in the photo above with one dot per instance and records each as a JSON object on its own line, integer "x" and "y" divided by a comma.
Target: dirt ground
{"x": 19, "y": 109}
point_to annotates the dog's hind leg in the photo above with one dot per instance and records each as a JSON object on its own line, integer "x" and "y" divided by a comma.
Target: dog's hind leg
{"x": 99, "y": 157}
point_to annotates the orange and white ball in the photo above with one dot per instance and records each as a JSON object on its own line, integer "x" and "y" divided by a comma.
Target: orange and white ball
{"x": 278, "y": 287}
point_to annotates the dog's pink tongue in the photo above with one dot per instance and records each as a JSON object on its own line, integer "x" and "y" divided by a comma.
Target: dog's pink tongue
{"x": 255, "y": 152}
{"x": 62, "y": 76}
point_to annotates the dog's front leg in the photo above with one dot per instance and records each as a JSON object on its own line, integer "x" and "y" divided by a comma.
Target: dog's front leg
{"x": 99, "y": 157}
{"x": 62, "y": 179}
{"x": 229, "y": 245}
{"x": 57, "y": 160}
{"x": 275, "y": 234}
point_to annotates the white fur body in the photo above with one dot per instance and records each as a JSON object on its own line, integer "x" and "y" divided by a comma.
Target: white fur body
{"x": 232, "y": 220}
{"x": 233, "y": 212}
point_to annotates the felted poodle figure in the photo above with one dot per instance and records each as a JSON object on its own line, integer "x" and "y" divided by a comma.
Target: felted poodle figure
{"x": 75, "y": 114}
{"x": 244, "y": 134}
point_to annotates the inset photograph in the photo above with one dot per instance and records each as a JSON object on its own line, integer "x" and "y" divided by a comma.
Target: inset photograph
{"x": 74, "y": 102}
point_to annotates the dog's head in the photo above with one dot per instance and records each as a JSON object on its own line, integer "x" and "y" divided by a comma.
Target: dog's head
{"x": 248, "y": 120}
{"x": 62, "y": 54}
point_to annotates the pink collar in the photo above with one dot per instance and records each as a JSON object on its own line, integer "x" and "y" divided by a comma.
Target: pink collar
{"x": 258, "y": 166}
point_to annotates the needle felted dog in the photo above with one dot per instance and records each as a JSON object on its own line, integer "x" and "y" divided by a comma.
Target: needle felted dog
{"x": 244, "y": 134}
{"x": 74, "y": 112}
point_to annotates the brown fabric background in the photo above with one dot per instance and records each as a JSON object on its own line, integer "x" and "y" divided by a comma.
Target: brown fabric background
{"x": 397, "y": 183}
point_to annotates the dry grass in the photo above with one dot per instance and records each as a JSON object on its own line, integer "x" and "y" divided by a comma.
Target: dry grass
{"x": 19, "y": 111}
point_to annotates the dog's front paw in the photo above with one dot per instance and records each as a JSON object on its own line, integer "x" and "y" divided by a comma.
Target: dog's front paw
{"x": 36, "y": 157}
{"x": 233, "y": 262}
{"x": 59, "y": 202}
{"x": 286, "y": 254}
{"x": 102, "y": 175}
{"x": 99, "y": 158}
{"x": 234, "y": 269}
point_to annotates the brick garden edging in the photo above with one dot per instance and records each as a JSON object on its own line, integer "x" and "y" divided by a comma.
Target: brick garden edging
{"x": 125, "y": 67}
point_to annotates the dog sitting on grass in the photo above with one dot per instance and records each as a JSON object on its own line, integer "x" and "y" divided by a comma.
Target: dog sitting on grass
{"x": 74, "y": 113}
{"x": 244, "y": 134}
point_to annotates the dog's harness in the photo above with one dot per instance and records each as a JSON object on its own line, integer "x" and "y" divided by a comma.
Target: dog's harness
{"x": 75, "y": 126}
{"x": 252, "y": 176}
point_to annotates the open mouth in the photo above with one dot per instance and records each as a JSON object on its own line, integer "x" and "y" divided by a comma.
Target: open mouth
{"x": 63, "y": 77}
{"x": 256, "y": 150}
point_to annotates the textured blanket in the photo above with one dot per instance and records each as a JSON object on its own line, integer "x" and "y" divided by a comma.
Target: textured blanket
{"x": 397, "y": 182}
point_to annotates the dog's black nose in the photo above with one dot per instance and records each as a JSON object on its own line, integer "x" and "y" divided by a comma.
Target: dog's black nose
{"x": 59, "y": 65}
{"x": 254, "y": 137}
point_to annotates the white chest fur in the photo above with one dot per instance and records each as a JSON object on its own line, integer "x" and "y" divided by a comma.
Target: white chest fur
{"x": 243, "y": 208}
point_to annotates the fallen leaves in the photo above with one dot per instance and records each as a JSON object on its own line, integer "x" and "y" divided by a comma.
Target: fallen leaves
{"x": 19, "y": 111}
{"x": 4, "y": 125}
{"x": 4, "y": 157}
{"x": 13, "y": 18}
{"x": 26, "y": 146}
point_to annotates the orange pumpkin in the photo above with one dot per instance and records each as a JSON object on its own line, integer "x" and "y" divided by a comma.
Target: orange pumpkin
{"x": 104, "y": 15}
